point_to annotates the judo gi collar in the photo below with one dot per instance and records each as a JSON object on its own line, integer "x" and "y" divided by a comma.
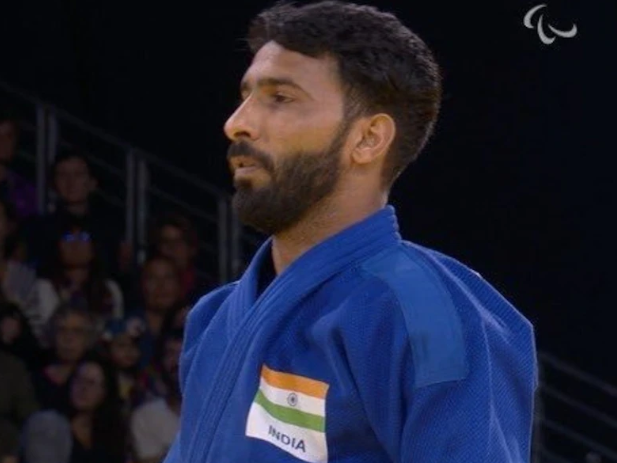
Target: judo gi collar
{"x": 353, "y": 244}
{"x": 252, "y": 319}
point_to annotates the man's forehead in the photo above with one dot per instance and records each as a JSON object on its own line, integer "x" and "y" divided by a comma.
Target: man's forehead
{"x": 274, "y": 62}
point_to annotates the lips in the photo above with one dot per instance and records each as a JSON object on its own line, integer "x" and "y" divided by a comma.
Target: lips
{"x": 245, "y": 171}
{"x": 243, "y": 164}
{"x": 247, "y": 164}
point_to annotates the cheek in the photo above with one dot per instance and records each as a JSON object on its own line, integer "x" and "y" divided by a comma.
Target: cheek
{"x": 95, "y": 397}
{"x": 61, "y": 186}
{"x": 169, "y": 286}
{"x": 116, "y": 352}
{"x": 82, "y": 184}
{"x": 86, "y": 248}
{"x": 150, "y": 288}
{"x": 66, "y": 250}
{"x": 133, "y": 353}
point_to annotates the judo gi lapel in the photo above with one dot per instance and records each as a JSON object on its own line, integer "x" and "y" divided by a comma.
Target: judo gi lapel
{"x": 327, "y": 258}
{"x": 251, "y": 313}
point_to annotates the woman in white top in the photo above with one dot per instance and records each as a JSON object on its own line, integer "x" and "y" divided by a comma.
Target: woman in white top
{"x": 74, "y": 275}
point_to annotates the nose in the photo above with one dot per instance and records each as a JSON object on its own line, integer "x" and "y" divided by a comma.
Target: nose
{"x": 242, "y": 124}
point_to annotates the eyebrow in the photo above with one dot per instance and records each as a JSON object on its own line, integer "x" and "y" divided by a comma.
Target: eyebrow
{"x": 272, "y": 82}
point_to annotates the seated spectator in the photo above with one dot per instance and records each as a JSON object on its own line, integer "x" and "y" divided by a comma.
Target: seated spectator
{"x": 154, "y": 425}
{"x": 174, "y": 237}
{"x": 16, "y": 278}
{"x": 88, "y": 429}
{"x": 16, "y": 337}
{"x": 13, "y": 189}
{"x": 176, "y": 318}
{"x": 17, "y": 403}
{"x": 75, "y": 275}
{"x": 74, "y": 183}
{"x": 72, "y": 332}
{"x": 160, "y": 295}
{"x": 120, "y": 342}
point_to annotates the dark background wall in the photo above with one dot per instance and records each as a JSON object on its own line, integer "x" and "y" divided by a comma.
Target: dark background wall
{"x": 518, "y": 181}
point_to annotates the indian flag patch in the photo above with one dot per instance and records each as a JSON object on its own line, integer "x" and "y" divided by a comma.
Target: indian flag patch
{"x": 289, "y": 411}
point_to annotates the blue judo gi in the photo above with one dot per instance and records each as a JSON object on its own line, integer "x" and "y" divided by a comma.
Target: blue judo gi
{"x": 367, "y": 348}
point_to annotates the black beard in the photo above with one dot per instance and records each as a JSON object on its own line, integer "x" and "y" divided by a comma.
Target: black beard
{"x": 299, "y": 182}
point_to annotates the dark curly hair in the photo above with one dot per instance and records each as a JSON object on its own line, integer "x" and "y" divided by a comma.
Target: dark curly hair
{"x": 109, "y": 429}
{"x": 383, "y": 66}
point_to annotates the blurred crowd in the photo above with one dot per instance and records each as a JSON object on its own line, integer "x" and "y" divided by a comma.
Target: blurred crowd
{"x": 89, "y": 341}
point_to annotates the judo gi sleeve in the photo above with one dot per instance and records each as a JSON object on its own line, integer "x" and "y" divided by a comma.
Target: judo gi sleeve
{"x": 438, "y": 389}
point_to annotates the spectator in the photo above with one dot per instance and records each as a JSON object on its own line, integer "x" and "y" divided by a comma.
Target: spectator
{"x": 120, "y": 342}
{"x": 75, "y": 275}
{"x": 16, "y": 337}
{"x": 160, "y": 295}
{"x": 154, "y": 425}
{"x": 89, "y": 429}
{"x": 75, "y": 183}
{"x": 17, "y": 403}
{"x": 16, "y": 279}
{"x": 176, "y": 318}
{"x": 72, "y": 331}
{"x": 174, "y": 237}
{"x": 13, "y": 188}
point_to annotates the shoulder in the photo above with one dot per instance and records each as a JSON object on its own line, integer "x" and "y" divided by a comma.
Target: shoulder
{"x": 112, "y": 285}
{"x": 45, "y": 290}
{"x": 16, "y": 266}
{"x": 404, "y": 279}
{"x": 149, "y": 409}
{"x": 114, "y": 289}
{"x": 44, "y": 284}
{"x": 474, "y": 293}
{"x": 21, "y": 183}
{"x": 50, "y": 420}
{"x": 12, "y": 365}
{"x": 207, "y": 304}
{"x": 204, "y": 309}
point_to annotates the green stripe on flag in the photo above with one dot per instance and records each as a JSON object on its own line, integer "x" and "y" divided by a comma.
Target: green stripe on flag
{"x": 291, "y": 416}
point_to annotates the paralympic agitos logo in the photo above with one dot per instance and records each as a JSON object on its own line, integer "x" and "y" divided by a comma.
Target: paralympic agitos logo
{"x": 547, "y": 37}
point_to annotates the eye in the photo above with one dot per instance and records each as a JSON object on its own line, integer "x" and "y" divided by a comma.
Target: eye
{"x": 281, "y": 98}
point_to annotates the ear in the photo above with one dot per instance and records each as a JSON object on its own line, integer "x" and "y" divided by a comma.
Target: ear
{"x": 93, "y": 184}
{"x": 375, "y": 137}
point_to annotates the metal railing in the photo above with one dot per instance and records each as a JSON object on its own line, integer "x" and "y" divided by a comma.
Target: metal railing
{"x": 577, "y": 419}
{"x": 574, "y": 423}
{"x": 130, "y": 188}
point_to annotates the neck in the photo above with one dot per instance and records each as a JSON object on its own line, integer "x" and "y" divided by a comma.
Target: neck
{"x": 83, "y": 419}
{"x": 320, "y": 223}
{"x": 60, "y": 372}
{"x": 81, "y": 425}
{"x": 78, "y": 209}
{"x": 154, "y": 321}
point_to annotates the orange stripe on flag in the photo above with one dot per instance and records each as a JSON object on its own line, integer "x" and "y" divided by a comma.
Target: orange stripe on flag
{"x": 294, "y": 383}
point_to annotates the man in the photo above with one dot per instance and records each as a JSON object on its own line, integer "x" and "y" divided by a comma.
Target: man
{"x": 155, "y": 424}
{"x": 75, "y": 183}
{"x": 341, "y": 342}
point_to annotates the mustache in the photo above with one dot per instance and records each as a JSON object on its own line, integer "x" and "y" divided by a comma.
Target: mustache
{"x": 242, "y": 148}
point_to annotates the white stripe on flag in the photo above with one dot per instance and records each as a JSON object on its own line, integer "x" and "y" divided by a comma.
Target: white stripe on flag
{"x": 293, "y": 400}
{"x": 302, "y": 443}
